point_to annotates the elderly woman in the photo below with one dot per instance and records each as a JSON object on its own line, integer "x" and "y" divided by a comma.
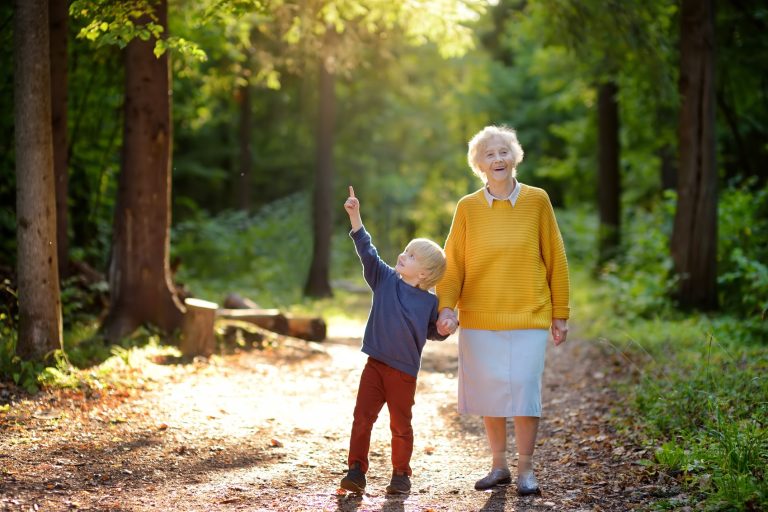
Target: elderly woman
{"x": 507, "y": 272}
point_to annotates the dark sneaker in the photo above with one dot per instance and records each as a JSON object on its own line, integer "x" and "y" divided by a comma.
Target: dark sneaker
{"x": 355, "y": 479}
{"x": 400, "y": 484}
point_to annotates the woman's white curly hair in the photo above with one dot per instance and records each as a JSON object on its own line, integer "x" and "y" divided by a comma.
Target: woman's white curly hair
{"x": 481, "y": 139}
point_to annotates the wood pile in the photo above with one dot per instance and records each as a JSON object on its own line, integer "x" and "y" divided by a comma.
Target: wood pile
{"x": 198, "y": 337}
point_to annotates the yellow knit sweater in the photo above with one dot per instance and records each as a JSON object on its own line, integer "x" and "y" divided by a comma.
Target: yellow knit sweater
{"x": 506, "y": 265}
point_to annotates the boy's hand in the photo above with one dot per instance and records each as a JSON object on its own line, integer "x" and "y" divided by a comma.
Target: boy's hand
{"x": 447, "y": 323}
{"x": 352, "y": 205}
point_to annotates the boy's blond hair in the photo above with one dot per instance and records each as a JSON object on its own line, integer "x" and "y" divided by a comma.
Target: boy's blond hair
{"x": 431, "y": 257}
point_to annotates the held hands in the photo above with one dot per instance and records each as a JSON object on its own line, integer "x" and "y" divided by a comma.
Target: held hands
{"x": 352, "y": 205}
{"x": 447, "y": 323}
{"x": 559, "y": 330}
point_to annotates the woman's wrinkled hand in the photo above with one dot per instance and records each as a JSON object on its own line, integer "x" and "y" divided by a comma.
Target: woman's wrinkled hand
{"x": 559, "y": 330}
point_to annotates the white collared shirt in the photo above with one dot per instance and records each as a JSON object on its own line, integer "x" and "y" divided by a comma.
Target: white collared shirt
{"x": 512, "y": 198}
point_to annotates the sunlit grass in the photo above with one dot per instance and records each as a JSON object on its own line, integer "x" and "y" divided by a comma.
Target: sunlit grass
{"x": 698, "y": 390}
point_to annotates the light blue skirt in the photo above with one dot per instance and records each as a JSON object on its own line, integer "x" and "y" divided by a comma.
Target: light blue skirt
{"x": 500, "y": 372}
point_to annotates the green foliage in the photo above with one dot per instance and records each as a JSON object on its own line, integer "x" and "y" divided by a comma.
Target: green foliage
{"x": 578, "y": 227}
{"x": 116, "y": 22}
{"x": 743, "y": 249}
{"x": 698, "y": 392}
{"x": 714, "y": 416}
{"x": 641, "y": 282}
{"x": 14, "y": 369}
{"x": 265, "y": 255}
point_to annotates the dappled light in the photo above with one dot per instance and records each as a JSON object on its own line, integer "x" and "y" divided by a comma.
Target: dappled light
{"x": 182, "y": 302}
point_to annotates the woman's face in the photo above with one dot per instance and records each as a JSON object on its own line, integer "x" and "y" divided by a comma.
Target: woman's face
{"x": 496, "y": 162}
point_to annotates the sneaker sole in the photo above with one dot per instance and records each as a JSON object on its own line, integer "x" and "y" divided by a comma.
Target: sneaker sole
{"x": 520, "y": 492}
{"x": 397, "y": 491}
{"x": 499, "y": 483}
{"x": 352, "y": 487}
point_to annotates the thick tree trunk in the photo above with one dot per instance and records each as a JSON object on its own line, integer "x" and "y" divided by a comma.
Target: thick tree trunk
{"x": 141, "y": 290}
{"x": 37, "y": 269}
{"x": 59, "y": 17}
{"x": 694, "y": 239}
{"x": 318, "y": 282}
{"x": 609, "y": 177}
{"x": 243, "y": 180}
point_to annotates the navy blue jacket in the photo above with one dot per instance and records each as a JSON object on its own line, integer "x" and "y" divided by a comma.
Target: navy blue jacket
{"x": 402, "y": 316}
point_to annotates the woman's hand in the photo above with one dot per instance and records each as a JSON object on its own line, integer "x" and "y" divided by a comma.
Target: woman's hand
{"x": 447, "y": 323}
{"x": 559, "y": 330}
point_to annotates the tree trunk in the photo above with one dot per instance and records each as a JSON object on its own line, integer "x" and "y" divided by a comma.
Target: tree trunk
{"x": 37, "y": 268}
{"x": 668, "y": 168}
{"x": 694, "y": 237}
{"x": 141, "y": 290}
{"x": 609, "y": 177}
{"x": 318, "y": 282}
{"x": 243, "y": 180}
{"x": 59, "y": 17}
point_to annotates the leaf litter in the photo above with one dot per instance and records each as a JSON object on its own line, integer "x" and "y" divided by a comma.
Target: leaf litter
{"x": 268, "y": 430}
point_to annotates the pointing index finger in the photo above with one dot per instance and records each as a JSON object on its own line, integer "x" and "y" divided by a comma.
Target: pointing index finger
{"x": 351, "y": 191}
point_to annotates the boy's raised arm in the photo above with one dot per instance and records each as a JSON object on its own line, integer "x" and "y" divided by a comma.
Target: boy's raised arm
{"x": 352, "y": 205}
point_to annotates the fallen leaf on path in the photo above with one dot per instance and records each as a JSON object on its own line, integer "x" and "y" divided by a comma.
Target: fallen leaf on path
{"x": 275, "y": 443}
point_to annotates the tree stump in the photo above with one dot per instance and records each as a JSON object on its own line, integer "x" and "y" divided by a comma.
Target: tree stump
{"x": 197, "y": 334}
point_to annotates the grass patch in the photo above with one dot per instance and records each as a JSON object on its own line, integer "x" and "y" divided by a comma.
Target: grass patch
{"x": 699, "y": 393}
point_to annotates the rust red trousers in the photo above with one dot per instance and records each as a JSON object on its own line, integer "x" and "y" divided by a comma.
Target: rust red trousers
{"x": 381, "y": 384}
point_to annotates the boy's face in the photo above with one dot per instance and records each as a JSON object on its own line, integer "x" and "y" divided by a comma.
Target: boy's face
{"x": 408, "y": 265}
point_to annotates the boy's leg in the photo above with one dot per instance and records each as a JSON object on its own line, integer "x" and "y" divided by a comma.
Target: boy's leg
{"x": 400, "y": 392}
{"x": 370, "y": 400}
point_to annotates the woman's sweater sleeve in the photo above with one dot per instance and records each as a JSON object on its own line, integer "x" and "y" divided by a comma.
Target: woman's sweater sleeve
{"x": 555, "y": 261}
{"x": 449, "y": 288}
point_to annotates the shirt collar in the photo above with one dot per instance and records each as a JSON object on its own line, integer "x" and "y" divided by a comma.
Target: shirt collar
{"x": 512, "y": 198}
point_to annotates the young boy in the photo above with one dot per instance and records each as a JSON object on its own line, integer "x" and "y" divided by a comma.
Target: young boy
{"x": 403, "y": 315}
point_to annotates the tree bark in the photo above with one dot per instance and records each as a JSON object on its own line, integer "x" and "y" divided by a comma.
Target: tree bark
{"x": 245, "y": 132}
{"x": 609, "y": 175}
{"x": 668, "y": 168}
{"x": 40, "y": 330}
{"x": 59, "y": 18}
{"x": 694, "y": 237}
{"x": 141, "y": 290}
{"x": 318, "y": 281}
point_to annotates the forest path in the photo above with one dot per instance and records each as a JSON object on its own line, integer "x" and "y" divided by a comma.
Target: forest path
{"x": 268, "y": 430}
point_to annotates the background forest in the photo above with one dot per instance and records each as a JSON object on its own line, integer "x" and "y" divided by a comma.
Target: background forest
{"x": 277, "y": 106}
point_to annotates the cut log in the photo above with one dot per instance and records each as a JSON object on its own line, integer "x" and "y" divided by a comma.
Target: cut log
{"x": 270, "y": 319}
{"x": 197, "y": 334}
{"x": 235, "y": 301}
{"x": 306, "y": 328}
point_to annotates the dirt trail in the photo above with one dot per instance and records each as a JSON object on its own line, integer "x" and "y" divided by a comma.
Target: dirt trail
{"x": 268, "y": 430}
